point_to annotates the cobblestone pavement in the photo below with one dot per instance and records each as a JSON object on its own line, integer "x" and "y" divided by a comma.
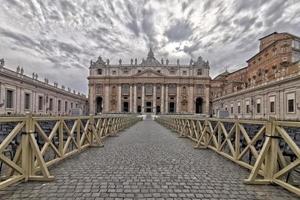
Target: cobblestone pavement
{"x": 146, "y": 161}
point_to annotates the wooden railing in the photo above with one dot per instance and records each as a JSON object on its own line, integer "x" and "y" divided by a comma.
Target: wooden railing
{"x": 32, "y": 144}
{"x": 270, "y": 149}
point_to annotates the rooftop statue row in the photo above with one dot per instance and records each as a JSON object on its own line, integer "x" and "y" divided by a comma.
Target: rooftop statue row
{"x": 150, "y": 61}
{"x": 20, "y": 73}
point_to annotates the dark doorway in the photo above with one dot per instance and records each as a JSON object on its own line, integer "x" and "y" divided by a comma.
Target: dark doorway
{"x": 172, "y": 107}
{"x": 157, "y": 109}
{"x": 139, "y": 109}
{"x": 125, "y": 106}
{"x": 148, "y": 106}
{"x": 99, "y": 104}
{"x": 199, "y": 105}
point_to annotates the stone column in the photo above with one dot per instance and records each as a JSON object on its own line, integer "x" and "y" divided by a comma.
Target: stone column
{"x": 154, "y": 99}
{"x": 91, "y": 99}
{"x": 143, "y": 98}
{"x": 162, "y": 96}
{"x": 280, "y": 113}
{"x": 134, "y": 99}
{"x": 167, "y": 98}
{"x": 206, "y": 93}
{"x": 119, "y": 98}
{"x": 178, "y": 109}
{"x": 106, "y": 99}
{"x": 191, "y": 99}
{"x": 33, "y": 103}
{"x": 130, "y": 98}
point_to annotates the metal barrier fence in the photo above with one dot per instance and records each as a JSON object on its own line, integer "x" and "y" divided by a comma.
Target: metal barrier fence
{"x": 32, "y": 144}
{"x": 270, "y": 149}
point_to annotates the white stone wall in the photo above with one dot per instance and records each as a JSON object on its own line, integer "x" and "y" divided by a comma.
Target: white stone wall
{"x": 279, "y": 90}
{"x": 21, "y": 84}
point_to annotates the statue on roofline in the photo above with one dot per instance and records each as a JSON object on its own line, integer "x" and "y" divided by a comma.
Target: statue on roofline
{"x": 2, "y": 62}
{"x": 191, "y": 62}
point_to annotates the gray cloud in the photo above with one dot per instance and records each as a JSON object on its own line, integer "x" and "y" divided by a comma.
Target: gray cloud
{"x": 249, "y": 5}
{"x": 245, "y": 22}
{"x": 57, "y": 39}
{"x": 179, "y": 31}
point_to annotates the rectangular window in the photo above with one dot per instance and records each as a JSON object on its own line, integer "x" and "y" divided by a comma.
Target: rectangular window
{"x": 291, "y": 105}
{"x": 184, "y": 73}
{"x": 125, "y": 89}
{"x": 66, "y": 106}
{"x": 291, "y": 102}
{"x": 231, "y": 109}
{"x": 199, "y": 72}
{"x": 258, "y": 103}
{"x": 71, "y": 105}
{"x": 272, "y": 104}
{"x": 247, "y": 107}
{"x": 50, "y": 104}
{"x": 172, "y": 89}
{"x": 40, "y": 103}
{"x": 27, "y": 101}
{"x": 148, "y": 90}
{"x": 239, "y": 108}
{"x": 59, "y": 105}
{"x": 9, "y": 98}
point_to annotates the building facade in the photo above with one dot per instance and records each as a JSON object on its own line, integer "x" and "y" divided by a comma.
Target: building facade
{"x": 20, "y": 94}
{"x": 151, "y": 86}
{"x": 269, "y": 86}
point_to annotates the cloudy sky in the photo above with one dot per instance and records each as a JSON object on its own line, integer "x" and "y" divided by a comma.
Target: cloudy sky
{"x": 57, "y": 39}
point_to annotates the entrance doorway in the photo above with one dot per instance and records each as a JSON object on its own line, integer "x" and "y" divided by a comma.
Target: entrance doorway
{"x": 148, "y": 106}
{"x": 125, "y": 106}
{"x": 199, "y": 105}
{"x": 172, "y": 107}
{"x": 139, "y": 109}
{"x": 99, "y": 103}
{"x": 157, "y": 109}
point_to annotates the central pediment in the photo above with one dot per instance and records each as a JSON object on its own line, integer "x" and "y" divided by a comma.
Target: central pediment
{"x": 148, "y": 73}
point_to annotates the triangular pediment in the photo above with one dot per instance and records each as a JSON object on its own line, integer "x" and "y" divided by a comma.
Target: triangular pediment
{"x": 148, "y": 73}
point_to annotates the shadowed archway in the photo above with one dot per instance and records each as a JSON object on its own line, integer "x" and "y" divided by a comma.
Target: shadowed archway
{"x": 199, "y": 105}
{"x": 99, "y": 104}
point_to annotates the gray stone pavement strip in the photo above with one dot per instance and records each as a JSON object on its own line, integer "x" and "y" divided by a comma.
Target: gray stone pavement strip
{"x": 146, "y": 161}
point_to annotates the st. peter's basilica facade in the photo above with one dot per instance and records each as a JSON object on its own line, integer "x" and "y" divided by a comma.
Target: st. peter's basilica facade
{"x": 149, "y": 86}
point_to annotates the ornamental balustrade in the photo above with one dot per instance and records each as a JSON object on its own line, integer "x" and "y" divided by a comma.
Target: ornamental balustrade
{"x": 30, "y": 145}
{"x": 269, "y": 149}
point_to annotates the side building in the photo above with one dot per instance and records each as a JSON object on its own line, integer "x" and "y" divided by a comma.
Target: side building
{"x": 269, "y": 86}
{"x": 150, "y": 86}
{"x": 20, "y": 94}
